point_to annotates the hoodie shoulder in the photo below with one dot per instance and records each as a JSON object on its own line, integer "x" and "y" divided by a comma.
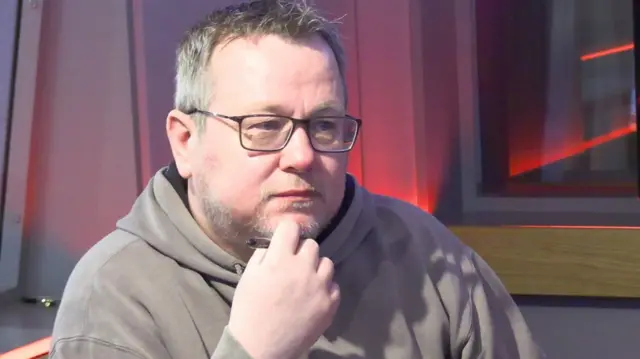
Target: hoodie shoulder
{"x": 109, "y": 249}
{"x": 103, "y": 296}
{"x": 483, "y": 319}
{"x": 404, "y": 220}
{"x": 413, "y": 235}
{"x": 108, "y": 261}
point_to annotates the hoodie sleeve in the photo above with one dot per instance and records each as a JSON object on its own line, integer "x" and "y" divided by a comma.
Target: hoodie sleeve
{"x": 229, "y": 348}
{"x": 498, "y": 329}
{"x": 92, "y": 348}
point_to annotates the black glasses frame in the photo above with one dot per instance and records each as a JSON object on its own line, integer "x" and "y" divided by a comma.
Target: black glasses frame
{"x": 296, "y": 123}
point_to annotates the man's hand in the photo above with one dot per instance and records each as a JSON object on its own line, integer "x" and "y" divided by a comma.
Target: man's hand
{"x": 286, "y": 298}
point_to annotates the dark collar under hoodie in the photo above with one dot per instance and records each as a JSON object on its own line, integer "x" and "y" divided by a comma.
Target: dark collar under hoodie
{"x": 158, "y": 288}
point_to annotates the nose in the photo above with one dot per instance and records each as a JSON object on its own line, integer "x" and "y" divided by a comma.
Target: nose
{"x": 298, "y": 155}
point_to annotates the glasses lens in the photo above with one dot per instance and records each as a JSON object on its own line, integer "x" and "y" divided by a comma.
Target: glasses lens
{"x": 333, "y": 134}
{"x": 268, "y": 133}
{"x": 264, "y": 133}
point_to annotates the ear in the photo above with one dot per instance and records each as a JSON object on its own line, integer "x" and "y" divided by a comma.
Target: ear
{"x": 182, "y": 134}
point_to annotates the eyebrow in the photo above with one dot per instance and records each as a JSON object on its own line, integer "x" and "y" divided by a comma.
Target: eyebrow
{"x": 328, "y": 107}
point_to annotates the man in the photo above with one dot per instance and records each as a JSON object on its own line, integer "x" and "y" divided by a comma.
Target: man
{"x": 260, "y": 138}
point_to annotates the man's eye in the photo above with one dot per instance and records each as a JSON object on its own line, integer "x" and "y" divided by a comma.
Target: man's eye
{"x": 324, "y": 125}
{"x": 273, "y": 125}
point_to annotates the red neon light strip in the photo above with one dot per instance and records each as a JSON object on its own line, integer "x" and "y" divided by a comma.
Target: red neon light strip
{"x": 611, "y": 51}
{"x": 576, "y": 150}
{"x": 574, "y": 227}
{"x": 37, "y": 349}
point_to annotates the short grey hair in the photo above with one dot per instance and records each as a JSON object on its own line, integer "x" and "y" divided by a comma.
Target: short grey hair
{"x": 290, "y": 19}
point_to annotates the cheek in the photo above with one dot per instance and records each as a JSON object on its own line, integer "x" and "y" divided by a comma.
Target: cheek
{"x": 335, "y": 170}
{"x": 236, "y": 180}
{"x": 335, "y": 165}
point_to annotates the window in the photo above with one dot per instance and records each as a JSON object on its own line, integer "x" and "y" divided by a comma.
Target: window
{"x": 548, "y": 146}
{"x": 556, "y": 98}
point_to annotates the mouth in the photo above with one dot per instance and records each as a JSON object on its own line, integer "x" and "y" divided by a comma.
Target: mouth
{"x": 297, "y": 194}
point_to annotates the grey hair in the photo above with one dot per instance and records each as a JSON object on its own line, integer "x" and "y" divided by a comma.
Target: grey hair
{"x": 290, "y": 19}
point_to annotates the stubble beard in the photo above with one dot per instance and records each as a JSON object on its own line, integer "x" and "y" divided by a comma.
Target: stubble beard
{"x": 224, "y": 224}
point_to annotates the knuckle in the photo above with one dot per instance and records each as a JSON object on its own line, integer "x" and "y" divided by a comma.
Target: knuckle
{"x": 337, "y": 295}
{"x": 332, "y": 300}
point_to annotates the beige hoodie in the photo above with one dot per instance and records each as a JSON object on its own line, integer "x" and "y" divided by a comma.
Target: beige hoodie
{"x": 157, "y": 287}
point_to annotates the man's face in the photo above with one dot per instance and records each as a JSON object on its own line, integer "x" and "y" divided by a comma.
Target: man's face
{"x": 244, "y": 192}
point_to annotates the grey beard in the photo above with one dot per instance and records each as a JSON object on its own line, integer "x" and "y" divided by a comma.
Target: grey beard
{"x": 220, "y": 219}
{"x": 223, "y": 223}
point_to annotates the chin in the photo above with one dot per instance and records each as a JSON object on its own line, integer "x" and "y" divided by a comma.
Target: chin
{"x": 300, "y": 217}
{"x": 309, "y": 223}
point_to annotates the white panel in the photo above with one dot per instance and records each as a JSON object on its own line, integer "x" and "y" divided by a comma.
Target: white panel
{"x": 82, "y": 174}
{"x": 20, "y": 131}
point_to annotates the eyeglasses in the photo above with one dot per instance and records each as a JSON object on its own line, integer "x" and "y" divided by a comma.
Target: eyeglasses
{"x": 271, "y": 133}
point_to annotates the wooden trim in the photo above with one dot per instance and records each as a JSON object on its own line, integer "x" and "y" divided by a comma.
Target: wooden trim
{"x": 560, "y": 261}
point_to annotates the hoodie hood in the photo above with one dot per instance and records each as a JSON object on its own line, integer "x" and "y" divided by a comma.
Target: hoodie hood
{"x": 160, "y": 218}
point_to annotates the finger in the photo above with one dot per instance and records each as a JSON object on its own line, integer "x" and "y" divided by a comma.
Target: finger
{"x": 256, "y": 258}
{"x": 310, "y": 251}
{"x": 326, "y": 270}
{"x": 284, "y": 242}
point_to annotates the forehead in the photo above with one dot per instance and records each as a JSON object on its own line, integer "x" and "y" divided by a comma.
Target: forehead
{"x": 274, "y": 71}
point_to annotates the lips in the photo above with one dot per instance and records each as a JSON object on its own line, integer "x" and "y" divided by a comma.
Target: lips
{"x": 297, "y": 193}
